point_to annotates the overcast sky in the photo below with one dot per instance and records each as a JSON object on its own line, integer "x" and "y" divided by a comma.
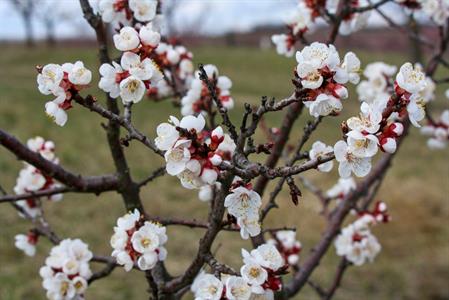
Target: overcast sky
{"x": 217, "y": 16}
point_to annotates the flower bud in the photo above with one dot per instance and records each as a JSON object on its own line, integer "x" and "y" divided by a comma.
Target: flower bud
{"x": 209, "y": 176}
{"x": 397, "y": 128}
{"x": 216, "y": 159}
{"x": 340, "y": 91}
{"x": 388, "y": 145}
{"x": 217, "y": 133}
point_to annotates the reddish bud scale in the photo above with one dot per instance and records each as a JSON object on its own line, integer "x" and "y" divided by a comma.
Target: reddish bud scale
{"x": 129, "y": 246}
{"x": 273, "y": 281}
{"x": 357, "y": 237}
{"x": 31, "y": 203}
{"x": 33, "y": 237}
{"x": 316, "y": 6}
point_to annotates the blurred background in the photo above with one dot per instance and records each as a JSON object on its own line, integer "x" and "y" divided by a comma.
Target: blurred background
{"x": 235, "y": 36}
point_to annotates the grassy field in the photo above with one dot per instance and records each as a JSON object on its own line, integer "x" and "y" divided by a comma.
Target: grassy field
{"x": 414, "y": 262}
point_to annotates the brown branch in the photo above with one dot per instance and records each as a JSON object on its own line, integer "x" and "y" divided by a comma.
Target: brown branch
{"x": 157, "y": 173}
{"x": 133, "y": 133}
{"x": 93, "y": 184}
{"x": 127, "y": 187}
{"x": 290, "y": 117}
{"x": 308, "y": 130}
{"x": 222, "y": 110}
{"x": 106, "y": 271}
{"x": 215, "y": 219}
{"x": 219, "y": 268}
{"x": 37, "y": 194}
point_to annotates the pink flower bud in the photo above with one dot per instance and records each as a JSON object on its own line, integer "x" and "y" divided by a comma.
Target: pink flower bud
{"x": 340, "y": 91}
{"x": 397, "y": 128}
{"x": 388, "y": 145}
{"x": 217, "y": 132}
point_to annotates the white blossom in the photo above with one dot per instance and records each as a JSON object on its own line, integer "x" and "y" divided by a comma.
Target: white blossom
{"x": 416, "y": 109}
{"x": 342, "y": 188}
{"x": 319, "y": 149}
{"x": 24, "y": 243}
{"x": 145, "y": 246}
{"x": 49, "y": 78}
{"x": 167, "y": 135}
{"x": 108, "y": 81}
{"x": 243, "y": 202}
{"x": 237, "y": 288}
{"x": 127, "y": 39}
{"x": 349, "y": 70}
{"x": 349, "y": 162}
{"x": 300, "y": 18}
{"x": 142, "y": 69}
{"x": 362, "y": 145}
{"x": 148, "y": 36}
{"x": 79, "y": 75}
{"x": 411, "y": 79}
{"x": 283, "y": 45}
{"x": 132, "y": 90}
{"x": 316, "y": 56}
{"x": 144, "y": 10}
{"x": 207, "y": 287}
{"x": 67, "y": 270}
{"x": 56, "y": 113}
{"x": 254, "y": 275}
{"x": 357, "y": 246}
{"x": 249, "y": 226}
{"x": 324, "y": 105}
{"x": 177, "y": 157}
{"x": 368, "y": 120}
{"x": 266, "y": 255}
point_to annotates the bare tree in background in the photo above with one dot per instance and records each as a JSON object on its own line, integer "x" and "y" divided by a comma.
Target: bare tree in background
{"x": 26, "y": 9}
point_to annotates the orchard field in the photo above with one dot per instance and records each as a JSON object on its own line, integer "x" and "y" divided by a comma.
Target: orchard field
{"x": 413, "y": 264}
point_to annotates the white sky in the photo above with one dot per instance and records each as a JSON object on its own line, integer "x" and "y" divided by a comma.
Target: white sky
{"x": 217, "y": 16}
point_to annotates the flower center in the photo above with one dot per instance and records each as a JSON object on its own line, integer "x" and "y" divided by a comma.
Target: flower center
{"x": 146, "y": 242}
{"x": 133, "y": 85}
{"x": 254, "y": 272}
{"x": 64, "y": 288}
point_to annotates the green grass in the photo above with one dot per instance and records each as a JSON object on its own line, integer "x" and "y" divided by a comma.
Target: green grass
{"x": 413, "y": 264}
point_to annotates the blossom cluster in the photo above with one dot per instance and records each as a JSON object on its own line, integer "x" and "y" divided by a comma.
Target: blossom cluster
{"x": 356, "y": 242}
{"x": 127, "y": 10}
{"x": 67, "y": 270}
{"x": 318, "y": 149}
{"x": 243, "y": 203}
{"x": 138, "y": 241}
{"x": 341, "y": 189}
{"x": 32, "y": 179}
{"x": 322, "y": 76}
{"x": 308, "y": 13}
{"x": 175, "y": 61}
{"x": 286, "y": 243}
{"x": 380, "y": 122}
{"x": 27, "y": 242}
{"x": 260, "y": 277}
{"x": 438, "y": 132}
{"x": 137, "y": 72}
{"x": 63, "y": 82}
{"x": 198, "y": 99}
{"x": 437, "y": 10}
{"x": 192, "y": 153}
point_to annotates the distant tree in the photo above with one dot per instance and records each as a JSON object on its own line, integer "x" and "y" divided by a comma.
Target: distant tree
{"x": 26, "y": 9}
